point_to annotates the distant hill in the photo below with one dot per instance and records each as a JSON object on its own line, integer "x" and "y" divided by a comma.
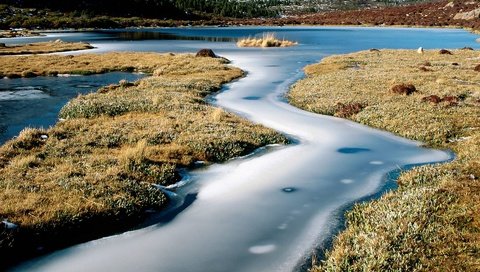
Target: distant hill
{"x": 194, "y": 9}
{"x": 55, "y": 14}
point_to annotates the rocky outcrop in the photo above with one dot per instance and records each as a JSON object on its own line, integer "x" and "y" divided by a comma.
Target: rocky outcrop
{"x": 468, "y": 15}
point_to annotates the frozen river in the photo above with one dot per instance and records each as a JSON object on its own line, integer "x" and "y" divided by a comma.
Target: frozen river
{"x": 268, "y": 211}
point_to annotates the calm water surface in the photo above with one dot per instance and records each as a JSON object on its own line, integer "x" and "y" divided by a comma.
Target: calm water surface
{"x": 265, "y": 212}
{"x": 35, "y": 102}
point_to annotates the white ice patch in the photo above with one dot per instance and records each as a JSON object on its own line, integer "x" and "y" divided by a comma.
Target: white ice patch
{"x": 376, "y": 162}
{"x": 9, "y": 225}
{"x": 262, "y": 249}
{"x": 22, "y": 93}
{"x": 68, "y": 75}
{"x": 347, "y": 181}
{"x": 283, "y": 226}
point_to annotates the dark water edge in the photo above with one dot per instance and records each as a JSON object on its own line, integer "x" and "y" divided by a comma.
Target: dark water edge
{"x": 339, "y": 221}
{"x": 36, "y": 102}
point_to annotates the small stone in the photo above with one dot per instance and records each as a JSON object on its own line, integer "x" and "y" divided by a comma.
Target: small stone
{"x": 206, "y": 53}
{"x": 445, "y": 52}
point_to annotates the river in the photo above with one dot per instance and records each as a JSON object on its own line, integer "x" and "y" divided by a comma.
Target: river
{"x": 268, "y": 211}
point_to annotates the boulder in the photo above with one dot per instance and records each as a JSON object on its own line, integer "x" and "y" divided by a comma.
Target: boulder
{"x": 406, "y": 89}
{"x": 445, "y": 52}
{"x": 206, "y": 53}
{"x": 468, "y": 15}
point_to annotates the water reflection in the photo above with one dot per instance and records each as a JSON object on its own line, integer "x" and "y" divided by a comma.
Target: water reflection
{"x": 154, "y": 35}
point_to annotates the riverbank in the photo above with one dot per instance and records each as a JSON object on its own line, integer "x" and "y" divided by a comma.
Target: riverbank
{"x": 431, "y": 221}
{"x": 98, "y": 170}
{"x": 42, "y": 48}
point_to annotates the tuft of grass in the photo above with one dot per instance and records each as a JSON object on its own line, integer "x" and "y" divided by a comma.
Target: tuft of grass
{"x": 432, "y": 221}
{"x": 101, "y": 163}
{"x": 267, "y": 40}
{"x": 44, "y": 47}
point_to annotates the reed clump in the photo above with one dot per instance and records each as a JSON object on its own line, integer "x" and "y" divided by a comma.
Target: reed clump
{"x": 267, "y": 40}
{"x": 431, "y": 222}
{"x": 98, "y": 170}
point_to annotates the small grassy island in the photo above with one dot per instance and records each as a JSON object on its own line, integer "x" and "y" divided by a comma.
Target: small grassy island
{"x": 98, "y": 169}
{"x": 43, "y": 47}
{"x": 433, "y": 220}
{"x": 267, "y": 40}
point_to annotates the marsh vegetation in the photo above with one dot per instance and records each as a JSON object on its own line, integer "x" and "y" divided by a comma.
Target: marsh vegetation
{"x": 43, "y": 47}
{"x": 431, "y": 221}
{"x": 98, "y": 169}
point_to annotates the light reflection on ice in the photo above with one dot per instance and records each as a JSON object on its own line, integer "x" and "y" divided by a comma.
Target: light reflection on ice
{"x": 23, "y": 93}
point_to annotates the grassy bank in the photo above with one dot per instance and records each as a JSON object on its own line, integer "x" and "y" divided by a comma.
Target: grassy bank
{"x": 52, "y": 65}
{"x": 432, "y": 222}
{"x": 94, "y": 172}
{"x": 43, "y": 47}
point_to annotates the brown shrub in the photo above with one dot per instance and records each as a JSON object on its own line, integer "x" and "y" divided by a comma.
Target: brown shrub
{"x": 432, "y": 98}
{"x": 347, "y": 110}
{"x": 206, "y": 53}
{"x": 477, "y": 68}
{"x": 450, "y": 99}
{"x": 374, "y": 50}
{"x": 425, "y": 69}
{"x": 445, "y": 52}
{"x": 406, "y": 89}
{"x": 467, "y": 48}
{"x": 427, "y": 63}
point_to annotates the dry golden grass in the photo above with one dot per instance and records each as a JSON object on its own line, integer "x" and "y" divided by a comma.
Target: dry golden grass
{"x": 85, "y": 64}
{"x": 101, "y": 162}
{"x": 43, "y": 47}
{"x": 267, "y": 40}
{"x": 432, "y": 222}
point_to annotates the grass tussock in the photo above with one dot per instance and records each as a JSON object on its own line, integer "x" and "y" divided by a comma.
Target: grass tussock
{"x": 43, "y": 47}
{"x": 431, "y": 222}
{"x": 267, "y": 40}
{"x": 101, "y": 163}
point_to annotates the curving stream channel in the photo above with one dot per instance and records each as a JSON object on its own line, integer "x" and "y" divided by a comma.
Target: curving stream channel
{"x": 267, "y": 211}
